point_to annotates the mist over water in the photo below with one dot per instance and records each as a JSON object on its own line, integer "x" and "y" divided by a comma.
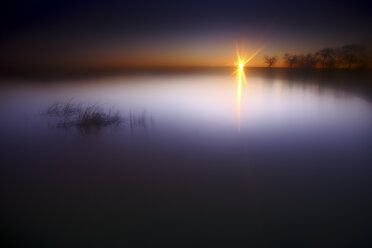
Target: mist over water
{"x": 277, "y": 163}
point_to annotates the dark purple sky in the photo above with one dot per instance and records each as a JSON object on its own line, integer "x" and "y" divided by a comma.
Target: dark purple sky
{"x": 136, "y": 33}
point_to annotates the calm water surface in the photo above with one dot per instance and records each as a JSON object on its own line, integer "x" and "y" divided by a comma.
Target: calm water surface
{"x": 272, "y": 162}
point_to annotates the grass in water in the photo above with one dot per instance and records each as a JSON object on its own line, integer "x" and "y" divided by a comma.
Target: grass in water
{"x": 84, "y": 118}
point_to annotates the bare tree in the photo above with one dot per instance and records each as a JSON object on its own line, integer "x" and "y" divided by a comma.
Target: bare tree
{"x": 307, "y": 61}
{"x": 326, "y": 57}
{"x": 353, "y": 55}
{"x": 290, "y": 60}
{"x": 270, "y": 60}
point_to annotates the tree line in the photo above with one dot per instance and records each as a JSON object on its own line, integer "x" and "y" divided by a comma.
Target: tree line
{"x": 348, "y": 56}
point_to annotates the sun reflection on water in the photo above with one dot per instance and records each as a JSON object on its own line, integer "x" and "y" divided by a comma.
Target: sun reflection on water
{"x": 240, "y": 77}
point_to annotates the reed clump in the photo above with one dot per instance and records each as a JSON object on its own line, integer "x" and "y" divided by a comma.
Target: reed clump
{"x": 76, "y": 115}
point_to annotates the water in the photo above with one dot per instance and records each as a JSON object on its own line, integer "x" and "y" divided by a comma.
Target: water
{"x": 276, "y": 162}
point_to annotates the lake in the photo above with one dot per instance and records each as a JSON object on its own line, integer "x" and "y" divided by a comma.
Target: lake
{"x": 275, "y": 160}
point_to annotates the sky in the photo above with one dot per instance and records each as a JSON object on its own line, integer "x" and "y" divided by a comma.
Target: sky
{"x": 93, "y": 34}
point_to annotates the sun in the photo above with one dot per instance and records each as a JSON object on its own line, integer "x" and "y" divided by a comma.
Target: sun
{"x": 242, "y": 61}
{"x": 241, "y": 66}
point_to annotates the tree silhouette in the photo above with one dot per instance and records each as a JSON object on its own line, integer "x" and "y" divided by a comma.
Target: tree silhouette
{"x": 270, "y": 60}
{"x": 307, "y": 61}
{"x": 353, "y": 55}
{"x": 290, "y": 60}
{"x": 326, "y": 57}
{"x": 348, "y": 56}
